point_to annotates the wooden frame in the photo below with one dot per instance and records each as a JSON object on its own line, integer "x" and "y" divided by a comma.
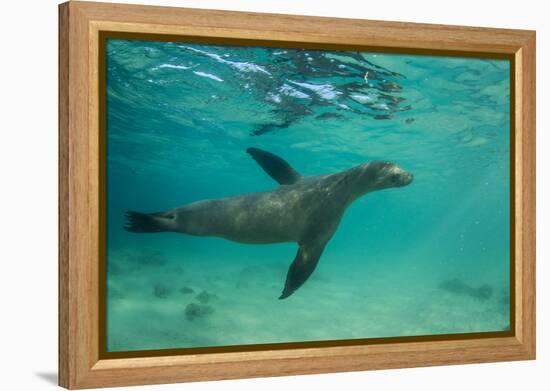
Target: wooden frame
{"x": 80, "y": 25}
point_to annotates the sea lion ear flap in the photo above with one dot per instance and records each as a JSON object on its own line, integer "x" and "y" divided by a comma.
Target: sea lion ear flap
{"x": 276, "y": 167}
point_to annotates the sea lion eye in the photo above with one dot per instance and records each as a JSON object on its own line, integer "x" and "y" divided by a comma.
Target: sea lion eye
{"x": 395, "y": 178}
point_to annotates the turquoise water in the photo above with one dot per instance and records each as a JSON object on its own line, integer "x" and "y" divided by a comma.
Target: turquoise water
{"x": 428, "y": 258}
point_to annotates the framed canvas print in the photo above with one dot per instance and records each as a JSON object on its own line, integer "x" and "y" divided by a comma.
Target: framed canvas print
{"x": 251, "y": 195}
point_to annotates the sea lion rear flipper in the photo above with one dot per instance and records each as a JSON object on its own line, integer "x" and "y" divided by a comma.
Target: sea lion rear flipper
{"x": 138, "y": 222}
{"x": 304, "y": 264}
{"x": 276, "y": 167}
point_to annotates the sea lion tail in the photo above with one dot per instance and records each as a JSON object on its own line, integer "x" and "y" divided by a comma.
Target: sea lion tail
{"x": 145, "y": 223}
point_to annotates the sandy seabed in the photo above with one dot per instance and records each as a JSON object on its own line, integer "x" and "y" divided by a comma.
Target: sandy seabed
{"x": 156, "y": 303}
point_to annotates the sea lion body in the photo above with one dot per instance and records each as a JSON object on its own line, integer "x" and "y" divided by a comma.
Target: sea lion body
{"x": 285, "y": 214}
{"x": 306, "y": 210}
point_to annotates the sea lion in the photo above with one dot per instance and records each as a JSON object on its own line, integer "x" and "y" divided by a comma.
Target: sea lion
{"x": 306, "y": 210}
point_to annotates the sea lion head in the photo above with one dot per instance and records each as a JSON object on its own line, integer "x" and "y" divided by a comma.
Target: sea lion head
{"x": 378, "y": 175}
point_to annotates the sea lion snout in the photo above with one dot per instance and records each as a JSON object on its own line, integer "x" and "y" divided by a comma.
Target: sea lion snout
{"x": 402, "y": 177}
{"x": 396, "y": 177}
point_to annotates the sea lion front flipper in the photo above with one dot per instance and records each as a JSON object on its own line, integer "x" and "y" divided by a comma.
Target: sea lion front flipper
{"x": 304, "y": 264}
{"x": 276, "y": 167}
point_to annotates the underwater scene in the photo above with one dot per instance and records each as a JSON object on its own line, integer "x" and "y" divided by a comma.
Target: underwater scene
{"x": 260, "y": 195}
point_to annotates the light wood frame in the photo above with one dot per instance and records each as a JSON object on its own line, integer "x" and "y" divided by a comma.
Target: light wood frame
{"x": 80, "y": 24}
